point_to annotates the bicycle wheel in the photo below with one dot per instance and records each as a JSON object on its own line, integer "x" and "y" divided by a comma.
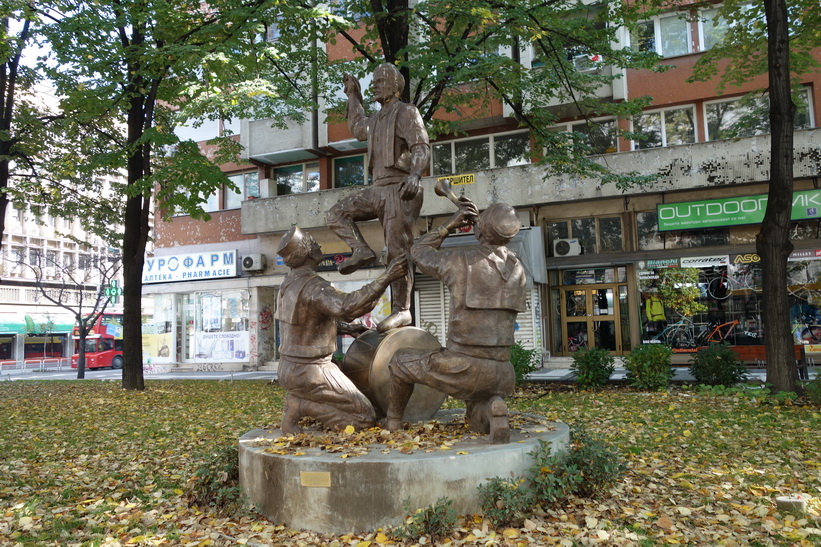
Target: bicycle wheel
{"x": 679, "y": 339}
{"x": 719, "y": 288}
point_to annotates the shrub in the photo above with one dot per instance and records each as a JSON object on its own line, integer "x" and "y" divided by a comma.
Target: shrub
{"x": 592, "y": 367}
{"x": 812, "y": 390}
{"x": 215, "y": 480}
{"x": 648, "y": 366}
{"x": 552, "y": 476}
{"x": 435, "y": 521}
{"x": 587, "y": 468}
{"x": 718, "y": 365}
{"x": 524, "y": 361}
{"x": 505, "y": 501}
{"x": 600, "y": 465}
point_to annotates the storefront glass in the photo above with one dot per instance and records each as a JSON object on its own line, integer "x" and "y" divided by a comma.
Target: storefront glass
{"x": 158, "y": 328}
{"x": 709, "y": 300}
{"x": 208, "y": 326}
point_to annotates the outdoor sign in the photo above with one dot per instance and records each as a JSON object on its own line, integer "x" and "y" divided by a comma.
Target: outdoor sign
{"x": 712, "y": 213}
{"x": 190, "y": 267}
{"x": 705, "y": 261}
{"x": 456, "y": 180}
{"x": 658, "y": 263}
{"x": 795, "y": 256}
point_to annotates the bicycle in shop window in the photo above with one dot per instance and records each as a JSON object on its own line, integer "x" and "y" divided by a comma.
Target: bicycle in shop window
{"x": 685, "y": 334}
{"x": 806, "y": 330}
{"x": 720, "y": 284}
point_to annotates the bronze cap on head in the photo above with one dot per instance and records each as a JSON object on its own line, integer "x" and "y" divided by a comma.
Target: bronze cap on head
{"x": 295, "y": 246}
{"x": 500, "y": 221}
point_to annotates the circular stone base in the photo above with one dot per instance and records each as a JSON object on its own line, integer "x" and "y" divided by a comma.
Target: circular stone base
{"x": 322, "y": 492}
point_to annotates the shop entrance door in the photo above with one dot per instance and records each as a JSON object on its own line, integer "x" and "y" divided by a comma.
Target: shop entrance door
{"x": 590, "y": 317}
{"x": 185, "y": 328}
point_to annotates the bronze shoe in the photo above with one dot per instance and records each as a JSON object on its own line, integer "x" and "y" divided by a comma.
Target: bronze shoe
{"x": 361, "y": 257}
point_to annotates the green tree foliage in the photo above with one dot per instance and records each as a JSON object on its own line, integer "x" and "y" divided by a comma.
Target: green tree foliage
{"x": 459, "y": 56}
{"x": 679, "y": 291}
{"x": 127, "y": 73}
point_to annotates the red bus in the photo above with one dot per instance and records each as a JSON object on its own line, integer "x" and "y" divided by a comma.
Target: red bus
{"x": 104, "y": 343}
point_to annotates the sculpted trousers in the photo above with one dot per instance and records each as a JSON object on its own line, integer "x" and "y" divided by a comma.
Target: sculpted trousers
{"x": 398, "y": 218}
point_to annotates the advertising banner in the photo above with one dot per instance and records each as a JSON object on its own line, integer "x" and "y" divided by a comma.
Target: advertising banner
{"x": 713, "y": 213}
{"x": 190, "y": 267}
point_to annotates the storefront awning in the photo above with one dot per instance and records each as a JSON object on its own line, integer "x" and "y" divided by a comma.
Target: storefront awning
{"x": 36, "y": 323}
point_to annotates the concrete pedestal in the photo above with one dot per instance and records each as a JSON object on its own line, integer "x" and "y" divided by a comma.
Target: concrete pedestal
{"x": 322, "y": 492}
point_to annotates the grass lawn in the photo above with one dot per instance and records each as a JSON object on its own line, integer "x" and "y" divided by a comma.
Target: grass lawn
{"x": 86, "y": 463}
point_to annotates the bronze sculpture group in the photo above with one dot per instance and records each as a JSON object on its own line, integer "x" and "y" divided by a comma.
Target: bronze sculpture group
{"x": 486, "y": 282}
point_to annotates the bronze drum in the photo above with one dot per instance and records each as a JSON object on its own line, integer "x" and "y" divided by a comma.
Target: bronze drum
{"x": 366, "y": 364}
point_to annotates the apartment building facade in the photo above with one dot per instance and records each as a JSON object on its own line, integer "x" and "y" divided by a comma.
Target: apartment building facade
{"x": 594, "y": 254}
{"x": 38, "y": 253}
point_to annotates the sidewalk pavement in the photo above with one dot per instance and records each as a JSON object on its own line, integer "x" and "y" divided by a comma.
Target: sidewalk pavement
{"x": 540, "y": 375}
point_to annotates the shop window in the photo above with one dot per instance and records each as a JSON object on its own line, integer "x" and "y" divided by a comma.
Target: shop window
{"x": 667, "y": 35}
{"x": 594, "y": 235}
{"x": 480, "y": 153}
{"x": 804, "y": 229}
{"x": 351, "y": 171}
{"x": 665, "y": 128}
{"x": 297, "y": 179}
{"x": 650, "y": 239}
{"x": 691, "y": 308}
{"x": 750, "y": 115}
{"x": 247, "y": 188}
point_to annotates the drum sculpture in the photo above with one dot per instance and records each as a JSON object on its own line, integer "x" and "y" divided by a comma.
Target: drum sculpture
{"x": 366, "y": 364}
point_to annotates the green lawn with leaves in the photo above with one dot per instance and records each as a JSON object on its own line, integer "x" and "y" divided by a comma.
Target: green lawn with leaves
{"x": 86, "y": 463}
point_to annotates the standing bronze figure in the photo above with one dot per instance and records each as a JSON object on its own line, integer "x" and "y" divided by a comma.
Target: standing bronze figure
{"x": 488, "y": 289}
{"x": 399, "y": 152}
{"x": 308, "y": 309}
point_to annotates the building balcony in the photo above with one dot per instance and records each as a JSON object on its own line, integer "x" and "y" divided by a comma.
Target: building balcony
{"x": 686, "y": 167}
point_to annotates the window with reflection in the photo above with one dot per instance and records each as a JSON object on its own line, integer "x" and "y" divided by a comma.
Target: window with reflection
{"x": 594, "y": 234}
{"x": 480, "y": 153}
{"x": 351, "y": 171}
{"x": 665, "y": 128}
{"x": 297, "y": 179}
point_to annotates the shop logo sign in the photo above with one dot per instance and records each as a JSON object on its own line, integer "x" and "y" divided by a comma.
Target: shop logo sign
{"x": 705, "y": 261}
{"x": 747, "y": 258}
{"x": 190, "y": 267}
{"x": 713, "y": 213}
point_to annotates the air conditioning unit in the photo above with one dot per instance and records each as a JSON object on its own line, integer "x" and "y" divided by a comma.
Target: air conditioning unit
{"x": 567, "y": 247}
{"x": 253, "y": 263}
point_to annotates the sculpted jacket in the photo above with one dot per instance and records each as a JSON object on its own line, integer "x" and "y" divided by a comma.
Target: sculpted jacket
{"x": 487, "y": 285}
{"x": 308, "y": 307}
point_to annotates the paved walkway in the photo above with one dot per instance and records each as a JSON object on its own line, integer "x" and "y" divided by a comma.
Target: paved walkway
{"x": 541, "y": 375}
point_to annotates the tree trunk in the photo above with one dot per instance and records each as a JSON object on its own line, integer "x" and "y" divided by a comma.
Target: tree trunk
{"x": 134, "y": 239}
{"x": 773, "y": 242}
{"x": 81, "y": 353}
{"x": 4, "y": 200}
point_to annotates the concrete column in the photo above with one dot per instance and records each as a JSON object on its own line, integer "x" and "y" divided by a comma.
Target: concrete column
{"x": 262, "y": 326}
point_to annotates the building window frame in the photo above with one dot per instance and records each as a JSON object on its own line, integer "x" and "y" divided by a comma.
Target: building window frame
{"x": 297, "y": 178}
{"x": 350, "y": 179}
{"x": 664, "y": 114}
{"x": 804, "y": 118}
{"x": 591, "y": 242}
{"x": 248, "y": 185}
{"x": 574, "y": 126}
{"x": 447, "y": 152}
{"x": 659, "y": 23}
